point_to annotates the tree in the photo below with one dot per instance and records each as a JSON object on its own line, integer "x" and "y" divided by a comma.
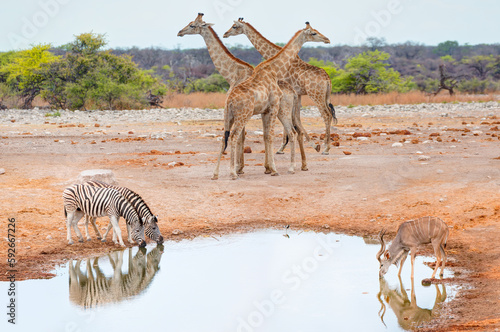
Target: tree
{"x": 368, "y": 73}
{"x": 481, "y": 65}
{"x": 446, "y": 48}
{"x": 23, "y": 72}
{"x": 90, "y": 77}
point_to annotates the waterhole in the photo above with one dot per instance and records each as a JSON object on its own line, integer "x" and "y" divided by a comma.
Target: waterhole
{"x": 269, "y": 280}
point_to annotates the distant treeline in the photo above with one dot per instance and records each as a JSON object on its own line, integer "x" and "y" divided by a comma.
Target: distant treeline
{"x": 85, "y": 75}
{"x": 477, "y": 67}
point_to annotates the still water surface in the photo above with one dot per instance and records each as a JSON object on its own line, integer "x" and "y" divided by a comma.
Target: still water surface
{"x": 261, "y": 281}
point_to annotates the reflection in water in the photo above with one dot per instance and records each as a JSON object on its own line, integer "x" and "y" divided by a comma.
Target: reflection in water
{"x": 92, "y": 288}
{"x": 407, "y": 312}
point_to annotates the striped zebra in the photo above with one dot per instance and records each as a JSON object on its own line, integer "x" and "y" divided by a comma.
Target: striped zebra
{"x": 149, "y": 220}
{"x": 80, "y": 200}
{"x": 92, "y": 288}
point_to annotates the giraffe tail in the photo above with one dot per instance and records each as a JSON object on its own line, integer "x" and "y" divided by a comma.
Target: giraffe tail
{"x": 228, "y": 122}
{"x": 330, "y": 106}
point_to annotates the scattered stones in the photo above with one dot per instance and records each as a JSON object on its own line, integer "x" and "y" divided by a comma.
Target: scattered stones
{"x": 177, "y": 232}
{"x": 176, "y": 115}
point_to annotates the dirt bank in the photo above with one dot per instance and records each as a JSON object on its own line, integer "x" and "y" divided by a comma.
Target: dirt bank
{"x": 447, "y": 167}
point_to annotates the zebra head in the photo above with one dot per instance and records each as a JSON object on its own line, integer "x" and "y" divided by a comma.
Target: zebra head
{"x": 137, "y": 229}
{"x": 152, "y": 230}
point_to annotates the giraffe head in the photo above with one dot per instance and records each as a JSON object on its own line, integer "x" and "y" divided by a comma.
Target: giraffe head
{"x": 195, "y": 27}
{"x": 238, "y": 28}
{"x": 313, "y": 35}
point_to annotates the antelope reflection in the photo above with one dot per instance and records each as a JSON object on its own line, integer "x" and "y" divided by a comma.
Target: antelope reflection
{"x": 407, "y": 311}
{"x": 92, "y": 288}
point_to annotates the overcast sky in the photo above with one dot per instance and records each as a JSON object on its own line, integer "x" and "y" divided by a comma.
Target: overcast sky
{"x": 147, "y": 23}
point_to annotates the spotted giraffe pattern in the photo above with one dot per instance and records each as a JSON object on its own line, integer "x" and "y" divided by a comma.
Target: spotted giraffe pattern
{"x": 235, "y": 71}
{"x": 306, "y": 79}
{"x": 260, "y": 94}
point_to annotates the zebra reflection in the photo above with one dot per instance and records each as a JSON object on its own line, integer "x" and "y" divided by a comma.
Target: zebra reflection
{"x": 407, "y": 311}
{"x": 93, "y": 288}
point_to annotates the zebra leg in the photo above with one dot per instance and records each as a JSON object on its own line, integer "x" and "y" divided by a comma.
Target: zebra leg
{"x": 98, "y": 234}
{"x": 69, "y": 221}
{"x": 77, "y": 216}
{"x": 116, "y": 228}
{"x": 87, "y": 235}
{"x": 129, "y": 234}
{"x": 107, "y": 231}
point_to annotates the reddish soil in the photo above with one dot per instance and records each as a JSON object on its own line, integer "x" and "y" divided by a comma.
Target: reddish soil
{"x": 362, "y": 186}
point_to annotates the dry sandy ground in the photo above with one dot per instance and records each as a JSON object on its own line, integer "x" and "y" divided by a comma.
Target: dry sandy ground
{"x": 360, "y": 187}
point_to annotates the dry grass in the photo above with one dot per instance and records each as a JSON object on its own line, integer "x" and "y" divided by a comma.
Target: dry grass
{"x": 216, "y": 100}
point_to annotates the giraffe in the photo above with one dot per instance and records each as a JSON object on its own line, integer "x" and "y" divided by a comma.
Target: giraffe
{"x": 260, "y": 94}
{"x": 306, "y": 79}
{"x": 235, "y": 71}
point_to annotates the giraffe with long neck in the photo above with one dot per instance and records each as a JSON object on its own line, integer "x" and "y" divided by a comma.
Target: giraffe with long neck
{"x": 260, "y": 94}
{"x": 306, "y": 79}
{"x": 235, "y": 71}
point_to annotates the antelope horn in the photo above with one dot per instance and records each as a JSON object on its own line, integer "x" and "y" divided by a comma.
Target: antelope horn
{"x": 382, "y": 244}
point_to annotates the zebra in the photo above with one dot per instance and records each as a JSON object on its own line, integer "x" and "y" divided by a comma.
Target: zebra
{"x": 149, "y": 220}
{"x": 98, "y": 202}
{"x": 92, "y": 288}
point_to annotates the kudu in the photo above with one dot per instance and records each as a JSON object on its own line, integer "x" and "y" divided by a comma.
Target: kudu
{"x": 410, "y": 235}
{"x": 407, "y": 312}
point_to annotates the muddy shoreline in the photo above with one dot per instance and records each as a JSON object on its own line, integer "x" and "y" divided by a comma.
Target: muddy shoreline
{"x": 366, "y": 183}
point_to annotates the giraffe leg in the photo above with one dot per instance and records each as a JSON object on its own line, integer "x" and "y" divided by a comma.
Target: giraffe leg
{"x": 234, "y": 140}
{"x": 297, "y": 122}
{"x": 319, "y": 99}
{"x": 228, "y": 123}
{"x": 241, "y": 156}
{"x": 285, "y": 117}
{"x": 269, "y": 121}
{"x": 265, "y": 126}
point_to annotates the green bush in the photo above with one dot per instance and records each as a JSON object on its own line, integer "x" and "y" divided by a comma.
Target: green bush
{"x": 212, "y": 83}
{"x": 365, "y": 73}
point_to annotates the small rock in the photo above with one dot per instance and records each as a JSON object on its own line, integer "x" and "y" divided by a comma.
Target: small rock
{"x": 258, "y": 132}
{"x": 326, "y": 226}
{"x": 177, "y": 232}
{"x": 423, "y": 158}
{"x": 2, "y": 171}
{"x": 247, "y": 149}
{"x": 208, "y": 135}
{"x": 440, "y": 171}
{"x": 419, "y": 152}
{"x": 397, "y": 145}
{"x": 49, "y": 237}
{"x": 347, "y": 153}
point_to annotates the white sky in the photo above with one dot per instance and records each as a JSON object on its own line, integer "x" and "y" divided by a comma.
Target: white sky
{"x": 147, "y": 23}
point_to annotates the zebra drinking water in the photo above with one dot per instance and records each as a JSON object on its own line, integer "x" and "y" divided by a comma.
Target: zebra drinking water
{"x": 80, "y": 200}
{"x": 149, "y": 220}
